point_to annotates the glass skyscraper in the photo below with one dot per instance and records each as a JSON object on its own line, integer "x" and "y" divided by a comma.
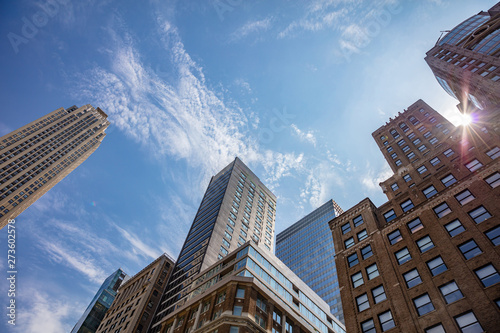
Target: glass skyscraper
{"x": 236, "y": 208}
{"x": 307, "y": 249}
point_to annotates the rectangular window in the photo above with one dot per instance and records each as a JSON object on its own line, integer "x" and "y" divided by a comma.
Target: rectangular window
{"x": 394, "y": 237}
{"x": 470, "y": 249}
{"x": 467, "y": 322}
{"x": 406, "y": 148}
{"x": 243, "y": 233}
{"x": 488, "y": 275}
{"x": 395, "y": 186}
{"x": 464, "y": 197}
{"x": 436, "y": 266}
{"x": 261, "y": 304}
{"x": 362, "y": 235}
{"x": 423, "y": 304}
{"x": 221, "y": 298}
{"x": 390, "y": 149}
{"x": 357, "y": 279}
{"x": 422, "y": 148}
{"x": 403, "y": 256}
{"x": 422, "y": 169}
{"x": 398, "y": 162}
{"x": 415, "y": 225}
{"x": 493, "y": 180}
{"x": 368, "y": 326}
{"x": 372, "y": 271}
{"x": 411, "y": 135}
{"x": 417, "y": 141}
{"x": 427, "y": 134}
{"x": 407, "y": 205}
{"x": 225, "y": 242}
{"x": 358, "y": 220}
{"x": 479, "y": 214}
{"x": 410, "y": 155}
{"x": 425, "y": 244}
{"x": 366, "y": 252}
{"x": 433, "y": 140}
{"x": 449, "y": 152}
{"x": 473, "y": 165}
{"x": 352, "y": 260}
{"x": 346, "y": 228}
{"x": 227, "y": 235}
{"x": 442, "y": 210}
{"x": 237, "y": 310}
{"x": 349, "y": 242}
{"x": 494, "y": 235}
{"x": 362, "y": 302}
{"x": 407, "y": 178}
{"x": 394, "y": 155}
{"x": 429, "y": 191}
{"x": 451, "y": 292}
{"x": 378, "y": 294}
{"x": 240, "y": 293}
{"x": 412, "y": 278}
{"x": 386, "y": 321}
{"x": 448, "y": 180}
{"x": 494, "y": 153}
{"x": 390, "y": 215}
{"x": 259, "y": 320}
{"x": 454, "y": 228}
{"x": 435, "y": 329}
{"x": 401, "y": 142}
{"x": 435, "y": 161}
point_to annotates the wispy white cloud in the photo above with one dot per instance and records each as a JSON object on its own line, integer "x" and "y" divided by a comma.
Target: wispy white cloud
{"x": 372, "y": 178}
{"x": 318, "y": 16}
{"x": 304, "y": 136}
{"x": 251, "y": 27}
{"x": 138, "y": 246}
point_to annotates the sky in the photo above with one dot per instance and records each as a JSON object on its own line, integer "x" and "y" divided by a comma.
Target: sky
{"x": 293, "y": 88}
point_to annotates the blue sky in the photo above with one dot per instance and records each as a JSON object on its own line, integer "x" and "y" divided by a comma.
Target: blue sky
{"x": 294, "y": 88}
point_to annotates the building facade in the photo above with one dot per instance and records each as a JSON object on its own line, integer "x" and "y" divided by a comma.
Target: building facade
{"x": 250, "y": 291}
{"x": 236, "y": 207}
{"x": 306, "y": 247}
{"x": 38, "y": 155}
{"x": 93, "y": 315}
{"x": 466, "y": 61}
{"x": 132, "y": 309}
{"x": 428, "y": 259}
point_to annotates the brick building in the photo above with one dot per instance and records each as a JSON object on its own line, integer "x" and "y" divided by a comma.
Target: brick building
{"x": 428, "y": 259}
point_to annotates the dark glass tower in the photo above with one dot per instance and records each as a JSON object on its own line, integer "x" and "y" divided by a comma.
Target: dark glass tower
{"x": 307, "y": 249}
{"x": 236, "y": 208}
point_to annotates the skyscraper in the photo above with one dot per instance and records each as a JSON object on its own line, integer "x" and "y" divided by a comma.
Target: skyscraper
{"x": 306, "y": 247}
{"x": 38, "y": 155}
{"x": 236, "y": 207}
{"x": 427, "y": 260}
{"x": 466, "y": 61}
{"x": 93, "y": 315}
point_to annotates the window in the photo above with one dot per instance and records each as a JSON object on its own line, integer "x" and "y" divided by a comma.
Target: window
{"x": 442, "y": 210}
{"x": 398, "y": 162}
{"x": 403, "y": 256}
{"x": 386, "y": 321}
{"x": 433, "y": 140}
{"x": 225, "y": 242}
{"x": 390, "y": 215}
{"x": 448, "y": 152}
{"x": 429, "y": 191}
{"x": 401, "y": 142}
{"x": 237, "y": 310}
{"x": 227, "y": 235}
{"x": 412, "y": 278}
{"x": 368, "y": 326}
{"x": 488, "y": 275}
{"x": 448, "y": 180}
{"x": 394, "y": 186}
{"x": 435, "y": 161}
{"x": 357, "y": 279}
{"x": 422, "y": 148}
{"x": 450, "y": 292}
{"x": 346, "y": 228}
{"x": 362, "y": 235}
{"x": 425, "y": 244}
{"x": 358, "y": 220}
{"x": 454, "y": 228}
{"x": 394, "y": 155}
{"x": 366, "y": 252}
{"x": 362, "y": 302}
{"x": 372, "y": 271}
{"x": 494, "y": 153}
{"x": 410, "y": 155}
{"x": 468, "y": 323}
{"x": 243, "y": 232}
{"x": 261, "y": 304}
{"x": 404, "y": 127}
{"x": 415, "y": 225}
{"x": 240, "y": 293}
{"x": 406, "y": 148}
{"x": 470, "y": 249}
{"x": 390, "y": 149}
{"x": 435, "y": 329}
{"x": 436, "y": 266}
{"x": 407, "y": 205}
{"x": 394, "y": 237}
{"x": 352, "y": 260}
{"x": 473, "y": 165}
{"x": 394, "y": 134}
{"x": 259, "y": 320}
{"x": 407, "y": 178}
{"x": 414, "y": 120}
{"x": 494, "y": 235}
{"x": 411, "y": 135}
{"x": 422, "y": 169}
{"x": 223, "y": 250}
{"x": 464, "y": 197}
{"x": 378, "y": 294}
{"x": 221, "y": 298}
{"x": 349, "y": 242}
{"x": 277, "y": 316}
{"x": 416, "y": 141}
{"x": 479, "y": 214}
{"x": 493, "y": 180}
{"x": 423, "y": 304}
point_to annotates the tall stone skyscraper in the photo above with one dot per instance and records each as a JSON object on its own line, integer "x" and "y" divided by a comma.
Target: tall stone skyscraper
{"x": 236, "y": 208}
{"x": 306, "y": 247}
{"x": 38, "y": 155}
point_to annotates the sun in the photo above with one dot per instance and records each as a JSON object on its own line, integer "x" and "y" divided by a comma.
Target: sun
{"x": 465, "y": 119}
